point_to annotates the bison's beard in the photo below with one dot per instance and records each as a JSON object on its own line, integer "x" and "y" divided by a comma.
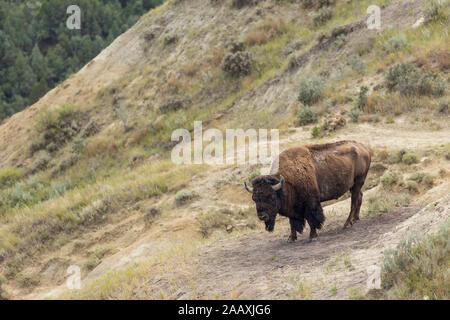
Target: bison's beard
{"x": 270, "y": 224}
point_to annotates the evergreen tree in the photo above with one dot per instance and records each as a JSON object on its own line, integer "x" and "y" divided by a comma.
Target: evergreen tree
{"x": 38, "y": 51}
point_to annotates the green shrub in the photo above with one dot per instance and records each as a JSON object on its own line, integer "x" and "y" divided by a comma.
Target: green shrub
{"x": 322, "y": 16}
{"x": 409, "y": 158}
{"x": 27, "y": 281}
{"x": 150, "y": 214}
{"x": 9, "y": 177}
{"x": 410, "y": 80}
{"x": 422, "y": 178}
{"x": 418, "y": 268}
{"x": 40, "y": 162}
{"x": 387, "y": 201}
{"x": 95, "y": 258}
{"x": 56, "y": 127}
{"x": 306, "y": 116}
{"x": 397, "y": 156}
{"x": 362, "y": 97}
{"x": 212, "y": 220}
{"x": 396, "y": 43}
{"x": 30, "y": 192}
{"x": 412, "y": 186}
{"x": 316, "y": 131}
{"x": 58, "y": 188}
{"x": 169, "y": 39}
{"x": 389, "y": 178}
{"x": 311, "y": 91}
{"x": 354, "y": 114}
{"x": 435, "y": 11}
{"x": 78, "y": 145}
{"x": 357, "y": 63}
{"x": 184, "y": 196}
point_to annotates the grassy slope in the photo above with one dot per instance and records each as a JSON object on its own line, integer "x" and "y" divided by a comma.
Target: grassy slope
{"x": 51, "y": 208}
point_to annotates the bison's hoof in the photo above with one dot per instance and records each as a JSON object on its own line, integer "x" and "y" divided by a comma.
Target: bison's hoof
{"x": 348, "y": 224}
{"x": 290, "y": 240}
{"x": 312, "y": 240}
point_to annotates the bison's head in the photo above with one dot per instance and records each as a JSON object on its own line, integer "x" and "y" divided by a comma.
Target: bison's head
{"x": 267, "y": 192}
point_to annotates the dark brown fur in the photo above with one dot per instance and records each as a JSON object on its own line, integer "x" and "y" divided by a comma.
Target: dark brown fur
{"x": 313, "y": 174}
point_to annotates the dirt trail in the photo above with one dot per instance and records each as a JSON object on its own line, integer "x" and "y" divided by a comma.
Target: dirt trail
{"x": 263, "y": 266}
{"x": 261, "y": 261}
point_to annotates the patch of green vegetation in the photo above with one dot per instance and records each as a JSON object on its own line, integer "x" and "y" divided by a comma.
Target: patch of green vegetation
{"x": 333, "y": 289}
{"x": 306, "y": 116}
{"x": 183, "y": 196}
{"x": 412, "y": 186}
{"x": 27, "y": 281}
{"x": 362, "y": 97}
{"x": 31, "y": 191}
{"x": 409, "y": 158}
{"x": 212, "y": 220}
{"x": 95, "y": 258}
{"x": 354, "y": 114}
{"x": 321, "y": 16}
{"x": 8, "y": 177}
{"x": 422, "y": 178}
{"x": 418, "y": 268}
{"x": 387, "y": 201}
{"x": 396, "y": 43}
{"x": 390, "y": 178}
{"x": 56, "y": 127}
{"x": 355, "y": 294}
{"x": 409, "y": 80}
{"x": 311, "y": 90}
{"x": 436, "y": 11}
{"x": 316, "y": 131}
{"x": 302, "y": 289}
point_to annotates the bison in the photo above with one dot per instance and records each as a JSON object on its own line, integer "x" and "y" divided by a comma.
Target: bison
{"x": 303, "y": 177}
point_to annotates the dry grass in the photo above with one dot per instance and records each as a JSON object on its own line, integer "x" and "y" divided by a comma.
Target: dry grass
{"x": 266, "y": 30}
{"x": 443, "y": 59}
{"x": 174, "y": 84}
{"x": 190, "y": 69}
{"x": 216, "y": 56}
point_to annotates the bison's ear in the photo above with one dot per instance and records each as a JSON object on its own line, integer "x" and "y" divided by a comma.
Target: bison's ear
{"x": 279, "y": 186}
{"x": 248, "y": 188}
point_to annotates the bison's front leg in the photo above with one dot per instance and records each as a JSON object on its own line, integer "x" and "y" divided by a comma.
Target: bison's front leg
{"x": 297, "y": 225}
{"x": 293, "y": 235}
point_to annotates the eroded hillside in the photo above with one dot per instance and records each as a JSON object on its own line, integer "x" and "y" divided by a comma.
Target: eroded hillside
{"x": 87, "y": 177}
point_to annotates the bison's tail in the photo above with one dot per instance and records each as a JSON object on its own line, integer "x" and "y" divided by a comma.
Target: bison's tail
{"x": 317, "y": 216}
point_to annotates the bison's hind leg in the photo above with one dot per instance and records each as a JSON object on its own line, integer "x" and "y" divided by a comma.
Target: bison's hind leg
{"x": 315, "y": 218}
{"x": 356, "y": 204}
{"x": 313, "y": 235}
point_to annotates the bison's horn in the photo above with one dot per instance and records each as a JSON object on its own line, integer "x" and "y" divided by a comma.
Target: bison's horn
{"x": 248, "y": 188}
{"x": 279, "y": 186}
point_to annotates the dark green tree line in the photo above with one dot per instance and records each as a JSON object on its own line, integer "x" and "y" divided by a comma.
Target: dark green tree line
{"x": 38, "y": 51}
